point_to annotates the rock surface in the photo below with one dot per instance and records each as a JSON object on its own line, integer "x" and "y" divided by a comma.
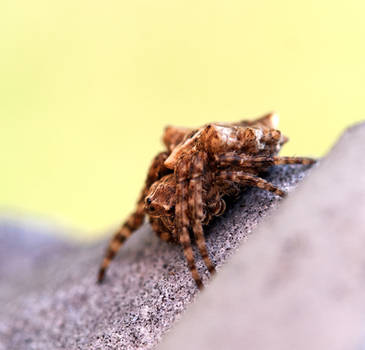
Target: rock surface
{"x": 299, "y": 283}
{"x": 50, "y": 299}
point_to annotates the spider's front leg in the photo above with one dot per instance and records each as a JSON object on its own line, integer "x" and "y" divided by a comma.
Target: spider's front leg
{"x": 182, "y": 221}
{"x": 189, "y": 211}
{"x": 196, "y": 207}
{"x": 135, "y": 220}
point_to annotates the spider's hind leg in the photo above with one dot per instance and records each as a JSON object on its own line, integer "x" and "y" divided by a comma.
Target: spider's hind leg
{"x": 293, "y": 160}
{"x": 247, "y": 179}
{"x": 259, "y": 162}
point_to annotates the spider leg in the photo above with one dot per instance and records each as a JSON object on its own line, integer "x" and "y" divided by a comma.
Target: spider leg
{"x": 293, "y": 160}
{"x": 269, "y": 120}
{"x": 251, "y": 180}
{"x": 245, "y": 161}
{"x": 173, "y": 135}
{"x": 135, "y": 220}
{"x": 182, "y": 221}
{"x": 242, "y": 160}
{"x": 196, "y": 209}
{"x": 157, "y": 169}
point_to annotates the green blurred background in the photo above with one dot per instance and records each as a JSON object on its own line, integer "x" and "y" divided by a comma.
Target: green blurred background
{"x": 86, "y": 88}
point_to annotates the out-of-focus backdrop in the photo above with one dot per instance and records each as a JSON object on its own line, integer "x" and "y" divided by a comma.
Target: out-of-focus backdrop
{"x": 86, "y": 88}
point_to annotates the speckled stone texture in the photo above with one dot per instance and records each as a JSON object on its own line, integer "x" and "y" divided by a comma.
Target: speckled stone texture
{"x": 50, "y": 299}
{"x": 299, "y": 282}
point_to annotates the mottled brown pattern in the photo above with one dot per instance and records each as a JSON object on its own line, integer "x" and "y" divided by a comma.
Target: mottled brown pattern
{"x": 187, "y": 185}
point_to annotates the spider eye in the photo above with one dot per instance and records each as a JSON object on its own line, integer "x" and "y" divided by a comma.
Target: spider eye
{"x": 148, "y": 200}
{"x": 152, "y": 208}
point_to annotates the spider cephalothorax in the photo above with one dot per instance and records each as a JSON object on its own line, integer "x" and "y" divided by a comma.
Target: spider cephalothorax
{"x": 187, "y": 185}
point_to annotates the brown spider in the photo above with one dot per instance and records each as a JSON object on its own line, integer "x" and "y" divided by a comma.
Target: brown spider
{"x": 186, "y": 185}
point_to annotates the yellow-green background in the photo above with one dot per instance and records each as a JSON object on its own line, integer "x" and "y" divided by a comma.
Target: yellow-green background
{"x": 86, "y": 88}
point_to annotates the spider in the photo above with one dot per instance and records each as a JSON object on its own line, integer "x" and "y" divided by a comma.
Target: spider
{"x": 188, "y": 184}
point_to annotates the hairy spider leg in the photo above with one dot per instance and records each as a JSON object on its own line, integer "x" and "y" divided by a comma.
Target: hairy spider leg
{"x": 294, "y": 160}
{"x": 196, "y": 208}
{"x": 135, "y": 220}
{"x": 250, "y": 180}
{"x": 173, "y": 135}
{"x": 269, "y": 120}
{"x": 182, "y": 220}
{"x": 243, "y": 160}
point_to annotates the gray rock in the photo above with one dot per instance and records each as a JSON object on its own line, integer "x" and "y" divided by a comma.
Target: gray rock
{"x": 28, "y": 248}
{"x": 299, "y": 283}
{"x": 51, "y": 301}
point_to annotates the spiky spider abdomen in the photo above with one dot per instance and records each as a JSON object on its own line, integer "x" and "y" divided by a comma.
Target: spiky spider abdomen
{"x": 187, "y": 184}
